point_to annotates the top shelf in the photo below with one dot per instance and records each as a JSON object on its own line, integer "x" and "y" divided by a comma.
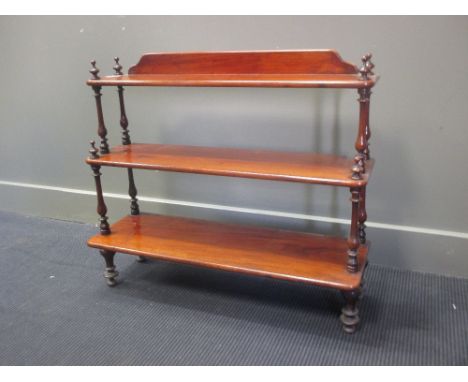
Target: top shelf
{"x": 281, "y": 69}
{"x": 351, "y": 81}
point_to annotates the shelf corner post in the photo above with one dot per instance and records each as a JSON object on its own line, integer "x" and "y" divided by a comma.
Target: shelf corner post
{"x": 353, "y": 238}
{"x": 364, "y": 134}
{"x": 102, "y": 131}
{"x": 123, "y": 116}
{"x": 362, "y": 215}
{"x": 132, "y": 191}
{"x": 101, "y": 205}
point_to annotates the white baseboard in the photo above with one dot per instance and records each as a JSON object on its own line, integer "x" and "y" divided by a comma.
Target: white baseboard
{"x": 394, "y": 227}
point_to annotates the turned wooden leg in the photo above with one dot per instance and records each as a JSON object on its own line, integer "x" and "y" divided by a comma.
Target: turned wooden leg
{"x": 110, "y": 273}
{"x": 350, "y": 313}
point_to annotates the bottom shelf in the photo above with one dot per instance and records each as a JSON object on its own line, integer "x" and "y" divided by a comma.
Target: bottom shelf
{"x": 287, "y": 255}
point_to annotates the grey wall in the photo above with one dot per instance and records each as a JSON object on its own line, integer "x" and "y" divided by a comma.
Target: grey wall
{"x": 419, "y": 120}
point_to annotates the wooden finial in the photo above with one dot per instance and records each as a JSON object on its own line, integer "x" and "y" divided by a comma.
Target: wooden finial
{"x": 360, "y": 160}
{"x": 94, "y": 70}
{"x": 93, "y": 151}
{"x": 357, "y": 168}
{"x": 117, "y": 66}
{"x": 367, "y": 66}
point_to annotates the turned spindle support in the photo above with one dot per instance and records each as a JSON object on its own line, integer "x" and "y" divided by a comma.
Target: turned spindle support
{"x": 350, "y": 313}
{"x": 123, "y": 116}
{"x": 101, "y": 206}
{"x": 134, "y": 208}
{"x": 362, "y": 141}
{"x": 362, "y": 215}
{"x": 353, "y": 238}
{"x": 132, "y": 191}
{"x": 102, "y": 131}
{"x": 110, "y": 274}
{"x": 364, "y": 134}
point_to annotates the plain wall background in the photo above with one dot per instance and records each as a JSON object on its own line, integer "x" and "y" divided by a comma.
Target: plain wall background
{"x": 419, "y": 128}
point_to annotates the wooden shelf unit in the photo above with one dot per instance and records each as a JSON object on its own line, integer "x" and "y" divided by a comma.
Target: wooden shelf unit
{"x": 296, "y": 256}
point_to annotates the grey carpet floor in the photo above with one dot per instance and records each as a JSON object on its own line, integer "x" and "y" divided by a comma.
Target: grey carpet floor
{"x": 55, "y": 309}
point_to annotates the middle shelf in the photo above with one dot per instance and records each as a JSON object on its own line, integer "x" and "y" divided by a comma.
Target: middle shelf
{"x": 246, "y": 163}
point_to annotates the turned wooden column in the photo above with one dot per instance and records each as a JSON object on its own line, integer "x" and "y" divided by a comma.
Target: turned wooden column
{"x": 132, "y": 191}
{"x": 123, "y": 116}
{"x": 364, "y": 133}
{"x": 102, "y": 131}
{"x": 362, "y": 215}
{"x": 353, "y": 238}
{"x": 362, "y": 141}
{"x": 101, "y": 206}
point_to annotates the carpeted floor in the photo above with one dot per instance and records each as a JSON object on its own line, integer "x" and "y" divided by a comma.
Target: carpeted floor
{"x": 55, "y": 309}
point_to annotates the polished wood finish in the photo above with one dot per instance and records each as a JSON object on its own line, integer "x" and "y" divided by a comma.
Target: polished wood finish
{"x": 350, "y": 313}
{"x": 258, "y": 164}
{"x": 101, "y": 205}
{"x": 244, "y": 62}
{"x": 102, "y": 131}
{"x": 123, "y": 115}
{"x": 362, "y": 140}
{"x": 280, "y": 254}
{"x": 341, "y": 81}
{"x": 325, "y": 261}
{"x": 295, "y": 69}
{"x": 132, "y": 191}
{"x": 353, "y": 238}
{"x": 110, "y": 273}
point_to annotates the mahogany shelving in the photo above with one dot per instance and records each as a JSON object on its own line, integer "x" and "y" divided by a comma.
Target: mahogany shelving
{"x": 304, "y": 257}
{"x": 260, "y": 164}
{"x": 295, "y": 256}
